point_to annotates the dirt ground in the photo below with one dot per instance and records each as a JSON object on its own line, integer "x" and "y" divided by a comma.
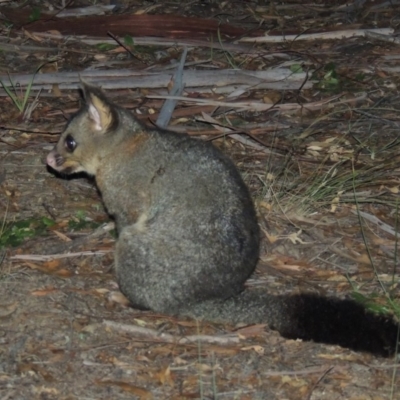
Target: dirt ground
{"x": 321, "y": 161}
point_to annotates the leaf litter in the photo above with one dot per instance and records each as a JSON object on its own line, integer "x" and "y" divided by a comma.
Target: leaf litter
{"x": 303, "y": 98}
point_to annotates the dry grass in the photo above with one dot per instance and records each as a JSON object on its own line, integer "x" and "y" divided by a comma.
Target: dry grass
{"x": 322, "y": 164}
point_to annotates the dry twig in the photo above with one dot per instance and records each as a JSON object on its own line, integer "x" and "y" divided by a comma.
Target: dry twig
{"x": 152, "y": 334}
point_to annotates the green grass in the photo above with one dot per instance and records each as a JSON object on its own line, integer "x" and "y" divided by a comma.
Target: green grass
{"x": 19, "y": 98}
{"x": 303, "y": 189}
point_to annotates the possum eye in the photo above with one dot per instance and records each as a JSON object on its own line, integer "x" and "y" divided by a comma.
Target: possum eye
{"x": 70, "y": 143}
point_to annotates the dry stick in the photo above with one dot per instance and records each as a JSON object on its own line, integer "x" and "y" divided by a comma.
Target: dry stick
{"x": 167, "y": 109}
{"x": 324, "y": 373}
{"x": 372, "y": 116}
{"x": 42, "y": 257}
{"x": 83, "y": 11}
{"x": 332, "y": 248}
{"x": 123, "y": 45}
{"x": 306, "y": 371}
{"x": 167, "y": 42}
{"x": 27, "y": 128}
{"x": 24, "y": 48}
{"x": 277, "y": 78}
{"x": 321, "y": 36}
{"x": 257, "y": 106}
{"x": 74, "y": 244}
{"x": 59, "y": 249}
{"x": 384, "y": 4}
{"x": 165, "y": 337}
{"x": 382, "y": 37}
{"x": 235, "y": 134}
{"x": 385, "y": 227}
{"x": 216, "y": 134}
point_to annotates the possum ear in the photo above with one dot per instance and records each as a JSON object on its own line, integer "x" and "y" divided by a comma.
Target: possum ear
{"x": 101, "y": 111}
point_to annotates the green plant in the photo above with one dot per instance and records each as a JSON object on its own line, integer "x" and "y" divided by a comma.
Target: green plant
{"x": 229, "y": 57}
{"x": 296, "y": 68}
{"x": 382, "y": 303}
{"x": 21, "y": 101}
{"x": 387, "y": 305}
{"x": 14, "y": 233}
{"x": 330, "y": 80}
{"x": 105, "y": 46}
{"x": 128, "y": 40}
{"x": 35, "y": 14}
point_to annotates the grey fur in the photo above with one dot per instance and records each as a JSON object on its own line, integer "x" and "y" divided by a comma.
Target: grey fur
{"x": 188, "y": 236}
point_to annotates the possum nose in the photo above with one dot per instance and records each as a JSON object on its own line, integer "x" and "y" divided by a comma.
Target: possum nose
{"x": 51, "y": 159}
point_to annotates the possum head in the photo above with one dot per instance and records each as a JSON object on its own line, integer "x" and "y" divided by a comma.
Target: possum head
{"x": 87, "y": 135}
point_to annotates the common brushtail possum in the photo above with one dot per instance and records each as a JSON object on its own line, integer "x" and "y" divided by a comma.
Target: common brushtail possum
{"x": 188, "y": 237}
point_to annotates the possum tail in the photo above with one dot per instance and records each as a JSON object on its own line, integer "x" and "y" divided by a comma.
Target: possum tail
{"x": 308, "y": 317}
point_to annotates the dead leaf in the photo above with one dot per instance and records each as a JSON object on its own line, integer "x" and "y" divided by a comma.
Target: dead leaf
{"x": 295, "y": 237}
{"x": 164, "y": 376}
{"x": 91, "y": 328}
{"x": 119, "y": 298}
{"x": 142, "y": 393}
{"x": 26, "y": 367}
{"x": 44, "y": 292}
{"x": 60, "y": 235}
{"x": 140, "y": 322}
{"x": 180, "y": 361}
{"x": 49, "y": 269}
{"x": 266, "y": 205}
{"x": 206, "y": 368}
{"x": 223, "y": 350}
{"x": 271, "y": 238}
{"x": 7, "y": 309}
{"x": 287, "y": 263}
{"x": 251, "y": 331}
{"x": 393, "y": 190}
{"x": 364, "y": 259}
{"x": 52, "y": 264}
{"x": 258, "y": 349}
{"x": 336, "y": 201}
{"x": 143, "y": 358}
